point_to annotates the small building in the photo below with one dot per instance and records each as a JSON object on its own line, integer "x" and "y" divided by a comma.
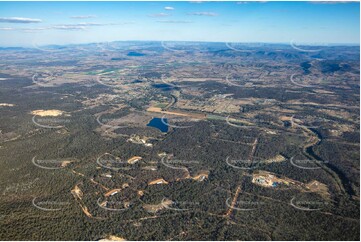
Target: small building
{"x": 201, "y": 177}
{"x": 112, "y": 192}
{"x": 134, "y": 159}
{"x": 158, "y": 182}
{"x": 162, "y": 154}
{"x": 150, "y": 168}
{"x": 108, "y": 175}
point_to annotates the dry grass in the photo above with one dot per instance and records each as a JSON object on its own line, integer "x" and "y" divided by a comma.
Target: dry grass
{"x": 50, "y": 112}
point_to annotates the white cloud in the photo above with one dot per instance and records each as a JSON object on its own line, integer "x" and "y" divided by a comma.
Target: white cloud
{"x": 169, "y": 8}
{"x": 65, "y": 27}
{"x": 33, "y": 30}
{"x": 72, "y": 27}
{"x": 79, "y": 26}
{"x": 69, "y": 27}
{"x": 19, "y": 20}
{"x": 56, "y": 27}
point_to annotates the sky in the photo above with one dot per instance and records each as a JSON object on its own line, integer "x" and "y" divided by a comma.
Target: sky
{"x": 41, "y": 23}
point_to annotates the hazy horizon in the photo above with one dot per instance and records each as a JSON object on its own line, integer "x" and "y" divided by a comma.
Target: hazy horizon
{"x": 25, "y": 24}
{"x": 192, "y": 41}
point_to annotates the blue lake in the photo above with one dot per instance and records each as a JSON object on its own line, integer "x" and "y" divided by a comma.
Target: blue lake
{"x": 157, "y": 123}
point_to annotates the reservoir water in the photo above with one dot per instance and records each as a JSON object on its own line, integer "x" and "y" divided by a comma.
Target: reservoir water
{"x": 157, "y": 123}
